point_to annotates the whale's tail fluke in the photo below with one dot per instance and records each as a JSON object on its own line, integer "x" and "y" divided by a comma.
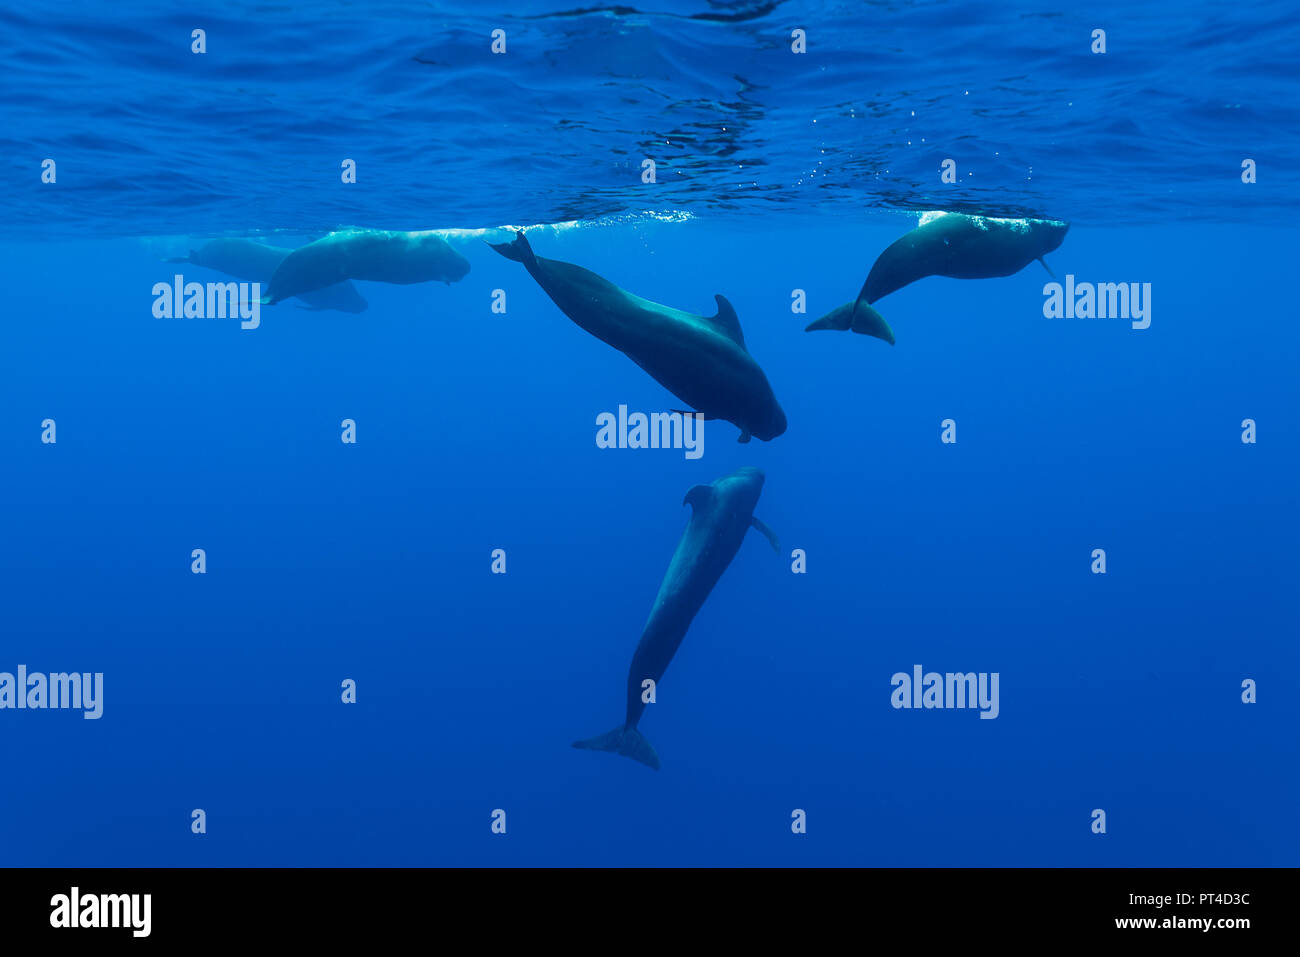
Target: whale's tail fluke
{"x": 860, "y": 318}
{"x": 863, "y": 298}
{"x": 519, "y": 250}
{"x": 628, "y": 742}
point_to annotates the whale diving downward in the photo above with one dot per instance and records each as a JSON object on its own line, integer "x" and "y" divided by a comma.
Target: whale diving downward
{"x": 721, "y": 514}
{"x": 700, "y": 359}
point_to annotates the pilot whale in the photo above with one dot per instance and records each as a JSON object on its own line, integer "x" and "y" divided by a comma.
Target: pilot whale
{"x": 700, "y": 359}
{"x": 256, "y": 262}
{"x": 377, "y": 255}
{"x": 961, "y": 247}
{"x": 721, "y": 514}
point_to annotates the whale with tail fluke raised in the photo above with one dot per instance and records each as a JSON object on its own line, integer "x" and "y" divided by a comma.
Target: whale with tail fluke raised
{"x": 702, "y": 360}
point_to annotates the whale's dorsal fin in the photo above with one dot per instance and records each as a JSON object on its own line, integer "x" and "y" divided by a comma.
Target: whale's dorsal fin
{"x": 728, "y": 322}
{"x": 698, "y": 495}
{"x": 758, "y": 525}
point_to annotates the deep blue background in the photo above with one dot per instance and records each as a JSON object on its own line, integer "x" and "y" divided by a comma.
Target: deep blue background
{"x": 476, "y": 431}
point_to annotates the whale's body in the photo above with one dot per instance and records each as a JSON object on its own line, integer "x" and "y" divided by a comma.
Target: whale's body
{"x": 376, "y": 255}
{"x": 257, "y": 262}
{"x": 700, "y": 359}
{"x": 721, "y": 515}
{"x": 961, "y": 247}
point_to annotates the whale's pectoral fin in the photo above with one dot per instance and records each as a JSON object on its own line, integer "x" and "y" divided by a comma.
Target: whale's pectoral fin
{"x": 758, "y": 525}
{"x": 183, "y": 259}
{"x": 628, "y": 742}
{"x": 728, "y": 321}
{"x": 1047, "y": 267}
{"x": 744, "y": 436}
{"x": 698, "y": 495}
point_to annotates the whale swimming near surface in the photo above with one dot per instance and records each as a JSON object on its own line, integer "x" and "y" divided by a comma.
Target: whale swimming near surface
{"x": 256, "y": 262}
{"x": 864, "y": 320}
{"x": 377, "y": 255}
{"x": 700, "y": 359}
{"x": 961, "y": 247}
{"x": 721, "y": 514}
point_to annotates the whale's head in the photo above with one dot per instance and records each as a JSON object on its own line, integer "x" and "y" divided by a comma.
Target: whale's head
{"x": 1048, "y": 234}
{"x": 771, "y": 422}
{"x": 456, "y": 268}
{"x": 742, "y": 488}
{"x": 441, "y": 261}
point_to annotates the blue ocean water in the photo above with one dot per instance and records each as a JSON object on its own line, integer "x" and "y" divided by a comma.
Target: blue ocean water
{"x": 776, "y": 172}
